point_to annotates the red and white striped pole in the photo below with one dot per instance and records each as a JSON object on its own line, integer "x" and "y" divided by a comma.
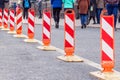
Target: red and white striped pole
{"x": 5, "y": 19}
{"x": 19, "y": 19}
{"x": 46, "y": 30}
{"x": 107, "y": 43}
{"x": 0, "y": 17}
{"x": 12, "y": 21}
{"x": 31, "y": 26}
{"x": 69, "y": 37}
{"x": 107, "y": 49}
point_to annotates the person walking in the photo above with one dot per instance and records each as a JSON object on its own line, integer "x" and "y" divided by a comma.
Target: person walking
{"x": 2, "y": 5}
{"x": 26, "y": 6}
{"x": 68, "y": 4}
{"x": 56, "y": 6}
{"x": 100, "y": 7}
{"x": 40, "y": 8}
{"x": 119, "y": 11}
{"x": 112, "y": 8}
{"x": 83, "y": 11}
{"x": 92, "y": 11}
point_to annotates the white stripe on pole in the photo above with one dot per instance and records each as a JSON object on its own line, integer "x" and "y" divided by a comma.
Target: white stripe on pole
{"x": 69, "y": 39}
{"x": 107, "y": 28}
{"x": 46, "y": 19}
{"x": 69, "y": 22}
{"x": 31, "y": 27}
{"x": 46, "y": 32}
{"x": 107, "y": 49}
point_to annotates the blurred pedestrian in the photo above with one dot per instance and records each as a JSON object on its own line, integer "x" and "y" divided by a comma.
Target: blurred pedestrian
{"x": 2, "y": 5}
{"x": 26, "y": 6}
{"x": 68, "y": 4}
{"x": 40, "y": 8}
{"x": 112, "y": 8}
{"x": 100, "y": 7}
{"x": 83, "y": 11}
{"x": 119, "y": 11}
{"x": 57, "y": 6}
{"x": 92, "y": 11}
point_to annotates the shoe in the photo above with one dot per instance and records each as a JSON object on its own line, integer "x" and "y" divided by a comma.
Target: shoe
{"x": 40, "y": 16}
{"x": 82, "y": 27}
{"x": 56, "y": 25}
{"x": 115, "y": 29}
{"x": 94, "y": 23}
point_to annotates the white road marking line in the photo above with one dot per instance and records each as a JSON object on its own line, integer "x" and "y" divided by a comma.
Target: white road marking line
{"x": 86, "y": 61}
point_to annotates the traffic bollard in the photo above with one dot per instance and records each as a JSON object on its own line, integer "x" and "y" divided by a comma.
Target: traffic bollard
{"x": 31, "y": 26}
{"x": 69, "y": 37}
{"x": 107, "y": 49}
{"x": 19, "y": 19}
{"x": 46, "y": 30}
{"x": 5, "y": 18}
{"x": 12, "y": 21}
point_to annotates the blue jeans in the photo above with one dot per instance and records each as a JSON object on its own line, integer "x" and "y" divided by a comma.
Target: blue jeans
{"x": 99, "y": 10}
{"x": 84, "y": 18}
{"x": 113, "y": 9}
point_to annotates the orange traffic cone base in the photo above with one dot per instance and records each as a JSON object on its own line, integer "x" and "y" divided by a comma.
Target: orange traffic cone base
{"x": 20, "y": 36}
{"x": 106, "y": 75}
{"x": 47, "y": 48}
{"x": 30, "y": 40}
{"x": 1, "y": 26}
{"x": 70, "y": 58}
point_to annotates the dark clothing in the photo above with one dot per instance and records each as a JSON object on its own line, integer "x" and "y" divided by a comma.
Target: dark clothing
{"x": 25, "y": 13}
{"x": 40, "y": 8}
{"x": 92, "y": 10}
{"x": 57, "y": 6}
{"x": 119, "y": 11}
{"x": 56, "y": 3}
{"x": 83, "y": 6}
{"x": 113, "y": 9}
{"x": 56, "y": 13}
{"x": 2, "y": 4}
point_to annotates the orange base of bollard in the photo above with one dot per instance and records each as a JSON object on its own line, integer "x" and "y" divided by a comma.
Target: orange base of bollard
{"x": 30, "y": 35}
{"x": 0, "y": 25}
{"x": 46, "y": 42}
{"x": 47, "y": 48}
{"x": 19, "y": 31}
{"x": 107, "y": 66}
{"x": 69, "y": 51}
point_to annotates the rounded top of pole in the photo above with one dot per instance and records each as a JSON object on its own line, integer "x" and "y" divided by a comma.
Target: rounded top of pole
{"x": 70, "y": 11}
{"x": 0, "y": 9}
{"x": 31, "y": 10}
{"x": 47, "y": 10}
{"x": 104, "y": 12}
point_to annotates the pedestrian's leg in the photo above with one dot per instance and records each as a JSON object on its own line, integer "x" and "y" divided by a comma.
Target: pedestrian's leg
{"x": 97, "y": 15}
{"x": 119, "y": 19}
{"x": 58, "y": 16}
{"x": 27, "y": 13}
{"x": 115, "y": 11}
{"x": 54, "y": 16}
{"x": 85, "y": 20}
{"x": 24, "y": 13}
{"x": 94, "y": 20}
{"x": 81, "y": 18}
